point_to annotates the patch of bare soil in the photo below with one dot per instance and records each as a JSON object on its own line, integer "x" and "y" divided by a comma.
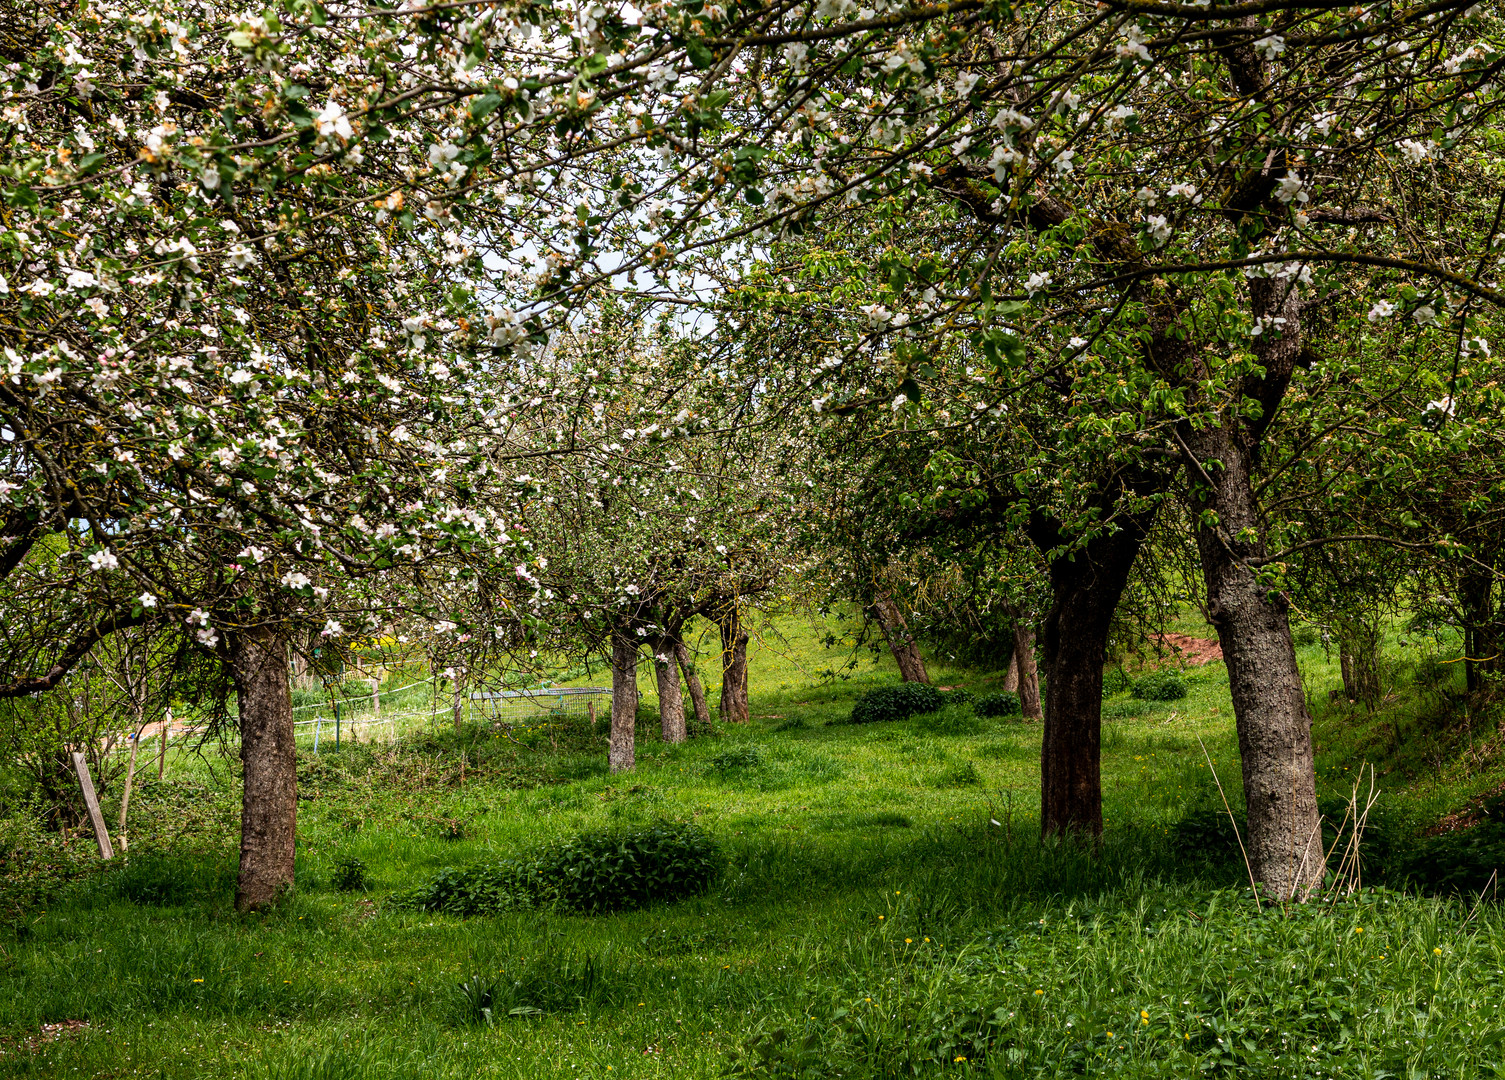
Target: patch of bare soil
{"x": 1191, "y": 651}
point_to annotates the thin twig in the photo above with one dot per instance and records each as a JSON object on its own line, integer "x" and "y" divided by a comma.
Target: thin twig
{"x": 1232, "y": 821}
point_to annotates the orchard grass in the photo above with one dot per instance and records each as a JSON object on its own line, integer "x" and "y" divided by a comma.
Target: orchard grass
{"x": 886, "y": 909}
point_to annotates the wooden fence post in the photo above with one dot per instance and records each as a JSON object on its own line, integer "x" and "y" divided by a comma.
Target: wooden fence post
{"x": 101, "y": 834}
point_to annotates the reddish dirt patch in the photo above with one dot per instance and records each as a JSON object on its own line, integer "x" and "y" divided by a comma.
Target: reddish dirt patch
{"x": 1192, "y": 651}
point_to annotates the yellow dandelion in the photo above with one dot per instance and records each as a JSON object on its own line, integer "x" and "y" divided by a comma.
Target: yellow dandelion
{"x": 1436, "y": 952}
{"x": 1039, "y": 992}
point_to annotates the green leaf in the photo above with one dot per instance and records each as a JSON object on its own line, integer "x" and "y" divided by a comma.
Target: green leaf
{"x": 699, "y": 54}
{"x": 483, "y": 106}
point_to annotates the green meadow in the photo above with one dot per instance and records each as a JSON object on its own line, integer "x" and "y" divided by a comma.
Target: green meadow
{"x": 885, "y": 906}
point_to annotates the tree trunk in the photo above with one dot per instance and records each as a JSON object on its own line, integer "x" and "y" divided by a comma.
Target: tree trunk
{"x": 624, "y": 702}
{"x": 671, "y": 702}
{"x": 1480, "y": 642}
{"x": 269, "y": 801}
{"x": 734, "y": 703}
{"x": 1085, "y": 589}
{"x": 1274, "y": 730}
{"x": 692, "y": 680}
{"x": 1028, "y": 678}
{"x": 1359, "y": 656}
{"x": 1011, "y": 676}
{"x": 900, "y": 642}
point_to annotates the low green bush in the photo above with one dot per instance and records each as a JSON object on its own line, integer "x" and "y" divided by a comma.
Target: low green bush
{"x": 349, "y": 874}
{"x": 1001, "y": 703}
{"x": 1116, "y": 681}
{"x": 1159, "y": 686}
{"x": 612, "y": 871}
{"x": 896, "y": 703}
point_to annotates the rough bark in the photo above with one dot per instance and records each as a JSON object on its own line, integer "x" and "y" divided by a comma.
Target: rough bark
{"x": 1274, "y": 730}
{"x": 734, "y": 702}
{"x": 671, "y": 702}
{"x": 1085, "y": 589}
{"x": 900, "y": 641}
{"x": 1011, "y": 676}
{"x": 624, "y": 702}
{"x": 1028, "y": 677}
{"x": 269, "y": 801}
{"x": 692, "y": 680}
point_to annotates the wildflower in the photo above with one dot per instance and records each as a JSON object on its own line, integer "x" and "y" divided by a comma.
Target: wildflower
{"x": 333, "y": 119}
{"x": 1290, "y": 187}
{"x": 1270, "y": 47}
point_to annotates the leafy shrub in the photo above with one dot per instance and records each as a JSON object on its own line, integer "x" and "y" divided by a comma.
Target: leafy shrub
{"x": 593, "y": 873}
{"x": 1159, "y": 686}
{"x": 1002, "y": 703}
{"x": 959, "y": 696}
{"x": 349, "y": 874}
{"x": 1116, "y": 681}
{"x": 896, "y": 703}
{"x": 1305, "y": 634}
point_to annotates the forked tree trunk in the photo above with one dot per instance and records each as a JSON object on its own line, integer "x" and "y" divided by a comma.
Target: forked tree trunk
{"x": 1085, "y": 589}
{"x": 734, "y": 703}
{"x": 1274, "y": 730}
{"x": 1028, "y": 677}
{"x": 900, "y": 641}
{"x": 671, "y": 702}
{"x": 692, "y": 680}
{"x": 624, "y": 702}
{"x": 269, "y": 800}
